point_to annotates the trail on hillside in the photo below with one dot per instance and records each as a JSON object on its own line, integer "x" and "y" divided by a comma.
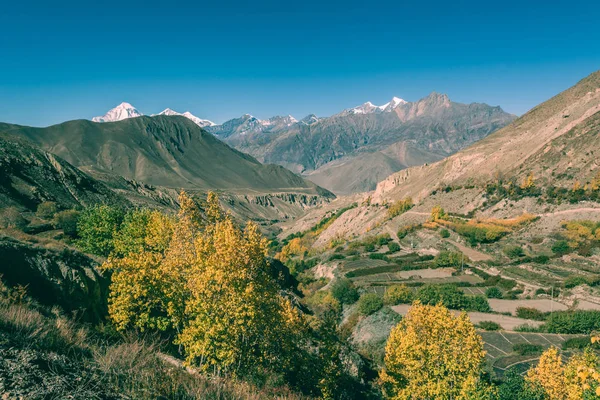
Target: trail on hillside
{"x": 571, "y": 211}
{"x": 473, "y": 254}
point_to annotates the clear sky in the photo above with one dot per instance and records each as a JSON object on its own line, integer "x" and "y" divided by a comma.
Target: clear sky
{"x": 63, "y": 60}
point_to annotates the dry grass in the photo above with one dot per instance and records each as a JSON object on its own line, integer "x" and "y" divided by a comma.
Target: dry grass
{"x": 130, "y": 367}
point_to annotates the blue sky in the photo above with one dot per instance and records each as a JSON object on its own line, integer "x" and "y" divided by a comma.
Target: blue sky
{"x": 65, "y": 60}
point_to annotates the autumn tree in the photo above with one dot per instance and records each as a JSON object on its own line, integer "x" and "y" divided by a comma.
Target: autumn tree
{"x": 431, "y": 354}
{"x": 438, "y": 213}
{"x": 528, "y": 182}
{"x": 577, "y": 379}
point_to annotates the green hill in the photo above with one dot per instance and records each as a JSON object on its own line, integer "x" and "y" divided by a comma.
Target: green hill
{"x": 165, "y": 151}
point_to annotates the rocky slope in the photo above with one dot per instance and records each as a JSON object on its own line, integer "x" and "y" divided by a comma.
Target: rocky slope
{"x": 556, "y": 142}
{"x": 556, "y": 136}
{"x": 30, "y": 175}
{"x": 368, "y": 141}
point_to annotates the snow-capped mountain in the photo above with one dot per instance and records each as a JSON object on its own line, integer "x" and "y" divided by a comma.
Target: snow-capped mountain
{"x": 368, "y": 107}
{"x": 120, "y": 112}
{"x": 126, "y": 110}
{"x": 198, "y": 121}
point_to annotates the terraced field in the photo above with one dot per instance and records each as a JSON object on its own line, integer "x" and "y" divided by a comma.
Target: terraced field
{"x": 499, "y": 348}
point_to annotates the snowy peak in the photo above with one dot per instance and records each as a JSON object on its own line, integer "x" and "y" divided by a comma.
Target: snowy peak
{"x": 369, "y": 108}
{"x": 120, "y": 112}
{"x": 198, "y": 121}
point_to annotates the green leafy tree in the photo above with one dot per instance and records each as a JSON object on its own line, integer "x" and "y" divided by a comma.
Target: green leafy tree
{"x": 398, "y": 294}
{"x": 344, "y": 291}
{"x": 97, "y": 227}
{"x": 369, "y": 303}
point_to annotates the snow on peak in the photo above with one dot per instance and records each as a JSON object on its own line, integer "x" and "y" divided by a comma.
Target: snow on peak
{"x": 120, "y": 112}
{"x": 365, "y": 108}
{"x": 198, "y": 121}
{"x": 368, "y": 107}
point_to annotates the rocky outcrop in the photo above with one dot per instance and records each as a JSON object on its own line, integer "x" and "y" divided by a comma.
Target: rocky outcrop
{"x": 55, "y": 276}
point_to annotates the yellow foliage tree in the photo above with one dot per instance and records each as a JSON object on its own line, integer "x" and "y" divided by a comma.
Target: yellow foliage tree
{"x": 438, "y": 213}
{"x": 549, "y": 374}
{"x": 578, "y": 379}
{"x": 431, "y": 354}
{"x": 236, "y": 318}
{"x": 528, "y": 182}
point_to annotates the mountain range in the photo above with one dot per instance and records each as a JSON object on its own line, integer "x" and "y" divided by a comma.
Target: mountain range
{"x": 353, "y": 150}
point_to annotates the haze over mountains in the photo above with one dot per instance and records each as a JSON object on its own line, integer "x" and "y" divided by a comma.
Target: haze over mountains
{"x": 353, "y": 150}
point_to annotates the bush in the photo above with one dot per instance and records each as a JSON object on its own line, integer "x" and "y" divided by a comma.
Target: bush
{"x": 97, "y": 227}
{"x": 527, "y": 349}
{"x": 369, "y": 303}
{"x": 46, "y": 210}
{"x": 574, "y": 281}
{"x": 578, "y": 343}
{"x": 531, "y": 313}
{"x": 445, "y": 233}
{"x": 448, "y": 259}
{"x": 541, "y": 259}
{"x": 574, "y": 322}
{"x": 452, "y": 297}
{"x": 489, "y": 326}
{"x": 493, "y": 293}
{"x": 67, "y": 221}
{"x": 398, "y": 294}
{"x": 400, "y": 207}
{"x": 336, "y": 257}
{"x": 513, "y": 251}
{"x": 378, "y": 256}
{"x": 370, "y": 247}
{"x": 393, "y": 247}
{"x": 561, "y": 247}
{"x": 11, "y": 218}
{"x": 528, "y": 328}
{"x": 344, "y": 291}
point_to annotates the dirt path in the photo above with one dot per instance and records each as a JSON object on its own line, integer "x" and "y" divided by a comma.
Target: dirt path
{"x": 473, "y": 254}
{"x": 571, "y": 211}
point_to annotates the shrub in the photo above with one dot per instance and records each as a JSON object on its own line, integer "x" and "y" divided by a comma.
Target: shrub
{"x": 393, "y": 247}
{"x": 561, "y": 247}
{"x": 578, "y": 343}
{"x": 493, "y": 293}
{"x": 445, "y": 233}
{"x": 574, "y": 322}
{"x": 46, "y": 210}
{"x": 370, "y": 247}
{"x": 448, "y": 259}
{"x": 369, "y": 303}
{"x": 529, "y": 328}
{"x": 452, "y": 297}
{"x": 400, "y": 207}
{"x": 11, "y": 217}
{"x": 526, "y": 349}
{"x": 336, "y": 257}
{"x": 378, "y": 256}
{"x": 405, "y": 230}
{"x": 513, "y": 251}
{"x": 531, "y": 313}
{"x": 574, "y": 281}
{"x": 541, "y": 259}
{"x": 489, "y": 326}
{"x": 398, "y": 294}
{"x": 67, "y": 221}
{"x": 344, "y": 291}
{"x": 97, "y": 227}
